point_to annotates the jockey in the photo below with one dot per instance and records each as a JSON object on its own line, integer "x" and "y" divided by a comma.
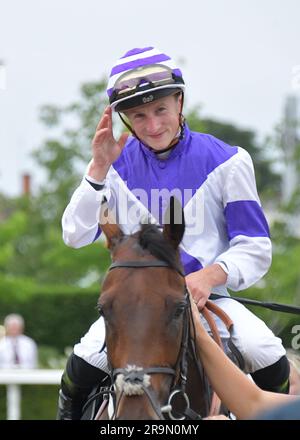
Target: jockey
{"x": 226, "y": 242}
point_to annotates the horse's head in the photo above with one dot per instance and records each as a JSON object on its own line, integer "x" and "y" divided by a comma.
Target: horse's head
{"x": 144, "y": 305}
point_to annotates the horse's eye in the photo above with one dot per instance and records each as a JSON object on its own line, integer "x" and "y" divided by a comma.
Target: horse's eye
{"x": 100, "y": 309}
{"x": 179, "y": 310}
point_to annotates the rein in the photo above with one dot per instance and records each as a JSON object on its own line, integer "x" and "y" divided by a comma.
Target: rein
{"x": 278, "y": 307}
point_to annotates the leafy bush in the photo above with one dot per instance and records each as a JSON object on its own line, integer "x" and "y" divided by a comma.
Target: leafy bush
{"x": 39, "y": 402}
{"x": 53, "y": 319}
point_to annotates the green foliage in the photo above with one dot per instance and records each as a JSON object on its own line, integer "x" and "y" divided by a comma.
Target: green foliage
{"x": 31, "y": 244}
{"x": 280, "y": 285}
{"x": 39, "y": 402}
{"x": 64, "y": 158}
{"x": 31, "y": 247}
{"x": 51, "y": 357}
{"x": 53, "y": 319}
{"x": 233, "y": 135}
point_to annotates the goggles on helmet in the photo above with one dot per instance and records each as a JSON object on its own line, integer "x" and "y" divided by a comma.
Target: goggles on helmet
{"x": 150, "y": 77}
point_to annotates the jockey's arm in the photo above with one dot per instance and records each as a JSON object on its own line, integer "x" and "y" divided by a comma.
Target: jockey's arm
{"x": 200, "y": 283}
{"x": 243, "y": 398}
{"x": 249, "y": 254}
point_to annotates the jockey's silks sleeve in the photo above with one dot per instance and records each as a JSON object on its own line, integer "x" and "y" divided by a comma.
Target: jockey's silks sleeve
{"x": 216, "y": 186}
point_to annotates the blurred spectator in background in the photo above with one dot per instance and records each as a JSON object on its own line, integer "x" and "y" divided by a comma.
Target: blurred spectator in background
{"x": 2, "y": 331}
{"x": 16, "y": 349}
{"x": 294, "y": 359}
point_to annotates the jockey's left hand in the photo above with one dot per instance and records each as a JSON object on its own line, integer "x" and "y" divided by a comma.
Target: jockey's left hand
{"x": 200, "y": 283}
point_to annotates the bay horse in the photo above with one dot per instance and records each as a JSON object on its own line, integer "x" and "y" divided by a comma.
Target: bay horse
{"x": 146, "y": 308}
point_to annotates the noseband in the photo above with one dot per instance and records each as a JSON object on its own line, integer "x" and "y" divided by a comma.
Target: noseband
{"x": 134, "y": 380}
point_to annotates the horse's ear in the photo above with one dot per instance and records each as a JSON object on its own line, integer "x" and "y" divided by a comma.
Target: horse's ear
{"x": 174, "y": 223}
{"x": 109, "y": 225}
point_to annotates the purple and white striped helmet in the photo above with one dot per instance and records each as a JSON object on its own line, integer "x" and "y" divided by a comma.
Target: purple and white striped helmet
{"x": 142, "y": 76}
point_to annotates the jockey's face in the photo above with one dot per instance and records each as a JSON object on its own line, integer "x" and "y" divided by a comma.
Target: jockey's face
{"x": 156, "y": 124}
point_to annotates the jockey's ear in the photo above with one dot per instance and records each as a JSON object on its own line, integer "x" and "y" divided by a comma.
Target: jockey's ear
{"x": 174, "y": 223}
{"x": 108, "y": 225}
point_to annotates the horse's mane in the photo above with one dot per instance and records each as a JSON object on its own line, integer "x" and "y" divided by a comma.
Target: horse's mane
{"x": 152, "y": 239}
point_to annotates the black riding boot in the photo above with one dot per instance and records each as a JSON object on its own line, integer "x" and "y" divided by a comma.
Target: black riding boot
{"x": 275, "y": 377}
{"x": 66, "y": 409}
{"x": 78, "y": 380}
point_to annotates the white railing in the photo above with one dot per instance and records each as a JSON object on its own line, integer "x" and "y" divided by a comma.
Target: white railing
{"x": 13, "y": 378}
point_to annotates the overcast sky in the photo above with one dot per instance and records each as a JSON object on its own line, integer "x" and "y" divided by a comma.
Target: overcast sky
{"x": 241, "y": 58}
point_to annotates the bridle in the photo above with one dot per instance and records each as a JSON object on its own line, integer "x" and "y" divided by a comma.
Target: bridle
{"x": 135, "y": 380}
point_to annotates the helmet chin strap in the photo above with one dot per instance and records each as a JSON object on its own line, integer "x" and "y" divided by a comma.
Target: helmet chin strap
{"x": 128, "y": 126}
{"x": 181, "y": 119}
{"x": 179, "y": 135}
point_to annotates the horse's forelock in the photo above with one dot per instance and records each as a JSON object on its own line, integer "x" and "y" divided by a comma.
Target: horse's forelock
{"x": 152, "y": 239}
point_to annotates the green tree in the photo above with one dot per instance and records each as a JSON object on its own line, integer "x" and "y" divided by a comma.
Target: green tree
{"x": 64, "y": 157}
{"x": 266, "y": 177}
{"x": 282, "y": 283}
{"x": 31, "y": 239}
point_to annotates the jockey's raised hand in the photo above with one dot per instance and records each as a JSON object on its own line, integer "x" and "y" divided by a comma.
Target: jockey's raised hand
{"x": 105, "y": 148}
{"x": 201, "y": 283}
